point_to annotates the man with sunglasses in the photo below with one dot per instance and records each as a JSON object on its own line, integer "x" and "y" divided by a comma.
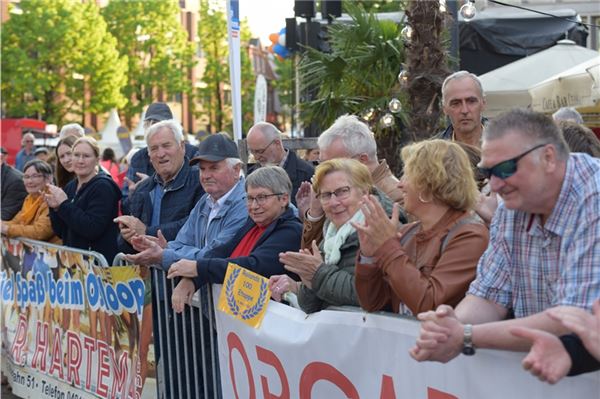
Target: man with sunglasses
{"x": 264, "y": 142}
{"x": 463, "y": 103}
{"x": 544, "y": 242}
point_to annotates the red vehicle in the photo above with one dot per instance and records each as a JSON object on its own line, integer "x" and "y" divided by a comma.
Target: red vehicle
{"x": 13, "y": 130}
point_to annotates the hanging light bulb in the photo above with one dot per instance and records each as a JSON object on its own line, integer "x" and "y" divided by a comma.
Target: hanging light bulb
{"x": 395, "y": 106}
{"x": 442, "y": 6}
{"x": 387, "y": 120}
{"x": 406, "y": 33}
{"x": 403, "y": 78}
{"x": 468, "y": 10}
{"x": 368, "y": 114}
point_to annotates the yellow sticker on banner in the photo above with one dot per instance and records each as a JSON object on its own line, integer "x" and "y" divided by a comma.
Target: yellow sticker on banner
{"x": 245, "y": 295}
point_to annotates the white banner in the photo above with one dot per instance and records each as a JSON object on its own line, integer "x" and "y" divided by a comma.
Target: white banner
{"x": 334, "y": 354}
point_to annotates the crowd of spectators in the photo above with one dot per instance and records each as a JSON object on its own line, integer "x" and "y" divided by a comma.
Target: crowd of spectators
{"x": 491, "y": 237}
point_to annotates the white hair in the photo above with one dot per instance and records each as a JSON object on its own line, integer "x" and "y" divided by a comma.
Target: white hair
{"x": 170, "y": 124}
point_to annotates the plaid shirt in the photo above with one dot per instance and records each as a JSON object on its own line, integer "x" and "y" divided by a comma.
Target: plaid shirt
{"x": 528, "y": 267}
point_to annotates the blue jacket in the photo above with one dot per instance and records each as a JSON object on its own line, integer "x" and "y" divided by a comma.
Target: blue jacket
{"x": 85, "y": 219}
{"x": 196, "y": 238}
{"x": 180, "y": 197}
{"x": 297, "y": 169}
{"x": 140, "y": 162}
{"x": 284, "y": 234}
{"x": 22, "y": 158}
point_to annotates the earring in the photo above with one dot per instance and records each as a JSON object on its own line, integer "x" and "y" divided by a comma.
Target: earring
{"x": 422, "y": 200}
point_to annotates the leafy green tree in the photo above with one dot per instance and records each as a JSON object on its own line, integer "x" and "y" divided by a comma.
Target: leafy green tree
{"x": 359, "y": 76}
{"x": 52, "y": 54}
{"x": 285, "y": 85}
{"x": 212, "y": 33}
{"x": 159, "y": 55}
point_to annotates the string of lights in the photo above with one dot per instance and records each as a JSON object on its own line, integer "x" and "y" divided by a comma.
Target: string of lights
{"x": 468, "y": 11}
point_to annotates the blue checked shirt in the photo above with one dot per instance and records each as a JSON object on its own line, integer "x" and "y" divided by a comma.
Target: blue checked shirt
{"x": 528, "y": 267}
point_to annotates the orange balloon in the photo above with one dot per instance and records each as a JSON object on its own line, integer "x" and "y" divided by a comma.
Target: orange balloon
{"x": 274, "y": 37}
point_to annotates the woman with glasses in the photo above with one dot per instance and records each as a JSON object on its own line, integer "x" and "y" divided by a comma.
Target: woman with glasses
{"x": 433, "y": 260}
{"x": 327, "y": 272}
{"x": 32, "y": 220}
{"x": 82, "y": 215}
{"x": 271, "y": 228}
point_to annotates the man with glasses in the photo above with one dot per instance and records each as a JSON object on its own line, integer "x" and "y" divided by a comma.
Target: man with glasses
{"x": 27, "y": 153}
{"x": 544, "y": 242}
{"x": 264, "y": 142}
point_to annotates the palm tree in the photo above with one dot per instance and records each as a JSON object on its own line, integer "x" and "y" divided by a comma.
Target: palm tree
{"x": 359, "y": 76}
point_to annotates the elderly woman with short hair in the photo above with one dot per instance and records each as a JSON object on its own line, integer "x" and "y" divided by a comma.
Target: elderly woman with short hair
{"x": 433, "y": 260}
{"x": 271, "y": 228}
{"x": 32, "y": 220}
{"x": 327, "y": 272}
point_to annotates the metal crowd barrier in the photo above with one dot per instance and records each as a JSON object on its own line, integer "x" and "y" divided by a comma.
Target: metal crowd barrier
{"x": 184, "y": 343}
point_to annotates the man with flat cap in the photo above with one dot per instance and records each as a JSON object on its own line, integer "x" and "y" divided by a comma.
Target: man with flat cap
{"x": 215, "y": 219}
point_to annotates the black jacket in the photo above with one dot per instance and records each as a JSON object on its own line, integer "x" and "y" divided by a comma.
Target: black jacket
{"x": 85, "y": 219}
{"x": 297, "y": 169}
{"x": 282, "y": 235}
{"x": 180, "y": 197}
{"x": 13, "y": 191}
{"x": 582, "y": 360}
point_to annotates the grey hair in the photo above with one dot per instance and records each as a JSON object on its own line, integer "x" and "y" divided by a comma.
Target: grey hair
{"x": 568, "y": 114}
{"x": 458, "y": 76}
{"x": 355, "y": 135}
{"x": 270, "y": 177}
{"x": 232, "y": 162}
{"x": 170, "y": 124}
{"x": 28, "y": 134}
{"x": 532, "y": 126}
{"x": 71, "y": 129}
{"x": 39, "y": 166}
{"x": 269, "y": 131}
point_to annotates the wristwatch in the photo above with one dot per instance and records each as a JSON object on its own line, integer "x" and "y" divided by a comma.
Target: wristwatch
{"x": 468, "y": 349}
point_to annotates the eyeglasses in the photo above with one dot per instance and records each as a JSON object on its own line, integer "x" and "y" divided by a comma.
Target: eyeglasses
{"x": 260, "y": 198}
{"x": 260, "y": 152}
{"x": 506, "y": 169}
{"x": 341, "y": 193}
{"x": 34, "y": 176}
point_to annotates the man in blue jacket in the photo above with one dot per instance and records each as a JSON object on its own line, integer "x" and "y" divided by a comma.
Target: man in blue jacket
{"x": 215, "y": 219}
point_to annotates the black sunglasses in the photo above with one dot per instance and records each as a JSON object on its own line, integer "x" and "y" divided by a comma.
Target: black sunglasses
{"x": 506, "y": 169}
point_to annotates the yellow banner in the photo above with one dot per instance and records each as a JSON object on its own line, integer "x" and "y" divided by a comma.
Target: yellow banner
{"x": 245, "y": 295}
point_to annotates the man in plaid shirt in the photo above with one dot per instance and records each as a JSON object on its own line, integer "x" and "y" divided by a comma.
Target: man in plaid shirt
{"x": 544, "y": 248}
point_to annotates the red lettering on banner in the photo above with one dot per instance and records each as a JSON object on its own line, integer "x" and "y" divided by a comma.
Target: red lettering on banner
{"x": 268, "y": 357}
{"x": 103, "y": 369}
{"x": 120, "y": 375}
{"x": 16, "y": 349}
{"x": 57, "y": 353}
{"x": 387, "y": 388}
{"x": 435, "y": 394}
{"x": 317, "y": 371}
{"x": 234, "y": 342}
{"x": 74, "y": 357}
{"x": 89, "y": 345}
{"x": 41, "y": 346}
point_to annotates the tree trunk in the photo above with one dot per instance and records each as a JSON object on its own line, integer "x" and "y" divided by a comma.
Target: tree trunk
{"x": 427, "y": 67}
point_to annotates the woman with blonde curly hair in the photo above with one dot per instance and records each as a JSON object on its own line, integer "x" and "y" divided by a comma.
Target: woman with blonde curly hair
{"x": 432, "y": 260}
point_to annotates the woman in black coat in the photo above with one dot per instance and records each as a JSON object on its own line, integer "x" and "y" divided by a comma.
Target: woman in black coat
{"x": 82, "y": 215}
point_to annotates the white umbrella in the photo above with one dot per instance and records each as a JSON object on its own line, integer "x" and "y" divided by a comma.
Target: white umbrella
{"x": 109, "y": 136}
{"x": 508, "y": 87}
{"x": 575, "y": 87}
